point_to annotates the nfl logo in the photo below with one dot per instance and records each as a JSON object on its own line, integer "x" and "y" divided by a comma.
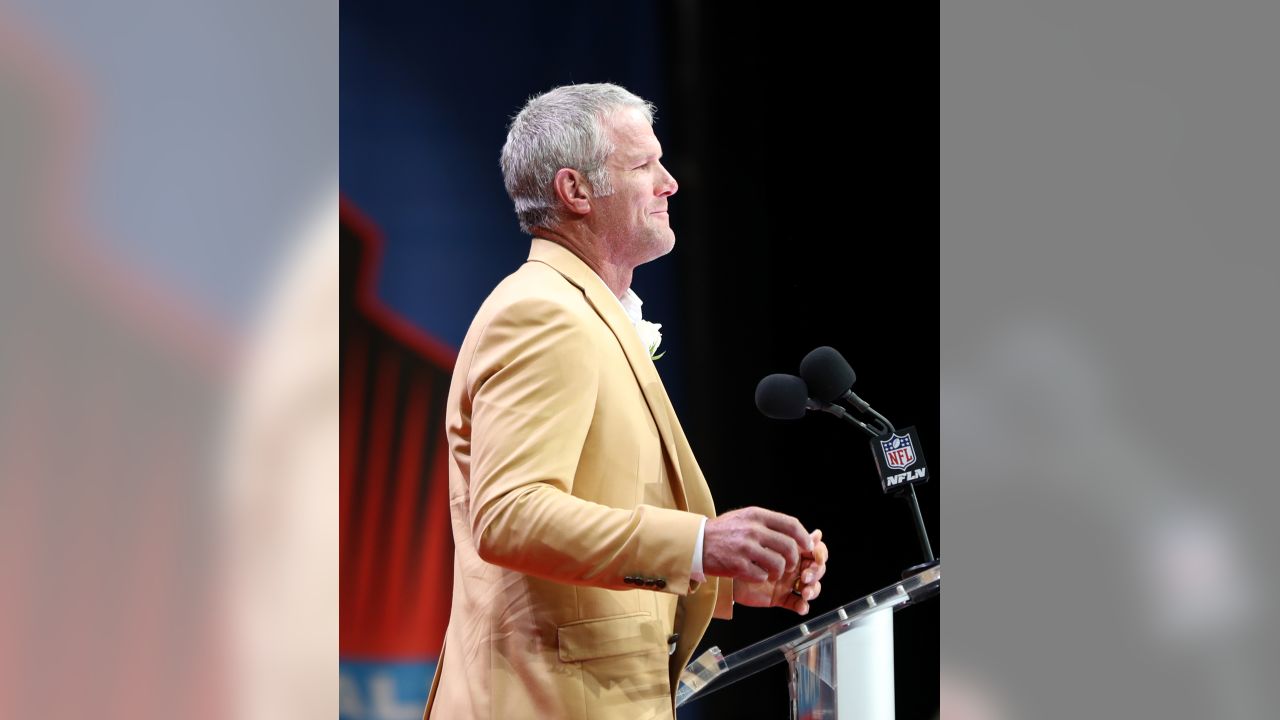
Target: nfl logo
{"x": 897, "y": 451}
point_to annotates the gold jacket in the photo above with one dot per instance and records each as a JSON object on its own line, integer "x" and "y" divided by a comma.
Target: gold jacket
{"x": 575, "y": 501}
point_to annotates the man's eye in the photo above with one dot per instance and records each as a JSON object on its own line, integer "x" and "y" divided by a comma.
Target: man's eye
{"x": 641, "y": 167}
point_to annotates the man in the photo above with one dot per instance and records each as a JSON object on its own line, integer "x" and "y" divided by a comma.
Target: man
{"x": 589, "y": 558}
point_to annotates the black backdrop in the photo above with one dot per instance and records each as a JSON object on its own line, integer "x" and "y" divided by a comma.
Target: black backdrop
{"x": 808, "y": 150}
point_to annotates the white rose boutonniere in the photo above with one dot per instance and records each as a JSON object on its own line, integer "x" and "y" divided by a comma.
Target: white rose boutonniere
{"x": 651, "y": 337}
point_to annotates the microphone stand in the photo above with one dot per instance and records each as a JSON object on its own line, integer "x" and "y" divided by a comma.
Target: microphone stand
{"x": 909, "y": 494}
{"x": 921, "y": 534}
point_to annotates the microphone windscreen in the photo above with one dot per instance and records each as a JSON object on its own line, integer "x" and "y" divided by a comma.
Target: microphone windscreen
{"x": 826, "y": 373}
{"x": 782, "y": 397}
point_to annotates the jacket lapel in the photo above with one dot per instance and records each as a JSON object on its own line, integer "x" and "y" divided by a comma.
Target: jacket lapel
{"x": 610, "y": 310}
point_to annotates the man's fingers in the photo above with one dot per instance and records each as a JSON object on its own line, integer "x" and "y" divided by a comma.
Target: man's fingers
{"x": 811, "y": 591}
{"x": 752, "y": 572}
{"x": 817, "y": 565}
{"x": 811, "y": 572}
{"x": 786, "y": 525}
{"x": 820, "y": 552}
{"x": 782, "y": 544}
{"x": 797, "y": 604}
{"x": 758, "y": 544}
{"x": 772, "y": 563}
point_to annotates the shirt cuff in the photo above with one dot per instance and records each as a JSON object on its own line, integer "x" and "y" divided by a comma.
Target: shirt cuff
{"x": 696, "y": 572}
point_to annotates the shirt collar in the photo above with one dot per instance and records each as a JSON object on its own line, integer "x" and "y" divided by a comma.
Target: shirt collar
{"x": 631, "y": 303}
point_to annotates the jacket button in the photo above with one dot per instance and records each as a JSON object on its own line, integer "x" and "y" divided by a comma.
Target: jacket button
{"x": 660, "y": 583}
{"x": 630, "y": 580}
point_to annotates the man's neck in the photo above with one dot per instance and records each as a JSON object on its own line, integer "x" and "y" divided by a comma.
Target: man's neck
{"x": 588, "y": 249}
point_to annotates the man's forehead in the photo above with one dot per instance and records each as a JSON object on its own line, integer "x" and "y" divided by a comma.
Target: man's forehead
{"x": 639, "y": 151}
{"x": 633, "y": 138}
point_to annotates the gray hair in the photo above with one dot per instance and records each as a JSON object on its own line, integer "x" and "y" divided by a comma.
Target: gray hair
{"x": 561, "y": 128}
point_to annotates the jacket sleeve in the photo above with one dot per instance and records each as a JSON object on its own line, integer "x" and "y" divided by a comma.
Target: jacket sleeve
{"x": 533, "y": 386}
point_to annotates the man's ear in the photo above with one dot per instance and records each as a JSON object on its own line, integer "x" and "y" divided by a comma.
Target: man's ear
{"x": 573, "y": 190}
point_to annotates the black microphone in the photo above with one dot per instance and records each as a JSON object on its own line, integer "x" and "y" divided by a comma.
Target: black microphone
{"x": 830, "y": 377}
{"x": 783, "y": 397}
{"x": 786, "y": 397}
{"x": 826, "y": 373}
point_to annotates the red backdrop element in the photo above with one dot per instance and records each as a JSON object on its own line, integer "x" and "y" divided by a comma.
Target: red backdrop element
{"x": 396, "y": 556}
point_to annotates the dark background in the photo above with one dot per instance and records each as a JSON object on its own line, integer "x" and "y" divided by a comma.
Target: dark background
{"x": 805, "y": 148}
{"x": 814, "y": 178}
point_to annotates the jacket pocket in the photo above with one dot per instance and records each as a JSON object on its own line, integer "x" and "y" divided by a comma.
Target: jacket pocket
{"x": 610, "y": 636}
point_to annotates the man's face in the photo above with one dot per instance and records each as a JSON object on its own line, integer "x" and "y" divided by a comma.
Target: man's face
{"x": 633, "y": 220}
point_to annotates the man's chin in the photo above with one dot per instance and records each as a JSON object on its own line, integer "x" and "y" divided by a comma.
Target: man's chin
{"x": 667, "y": 242}
{"x": 660, "y": 248}
{"x": 665, "y": 250}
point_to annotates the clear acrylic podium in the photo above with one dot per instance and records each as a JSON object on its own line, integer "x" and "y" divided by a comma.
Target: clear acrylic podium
{"x": 841, "y": 662}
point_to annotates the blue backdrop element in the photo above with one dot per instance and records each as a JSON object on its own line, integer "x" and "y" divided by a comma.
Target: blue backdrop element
{"x": 383, "y": 690}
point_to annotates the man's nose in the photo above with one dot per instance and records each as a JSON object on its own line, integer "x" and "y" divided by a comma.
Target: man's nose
{"x": 669, "y": 186}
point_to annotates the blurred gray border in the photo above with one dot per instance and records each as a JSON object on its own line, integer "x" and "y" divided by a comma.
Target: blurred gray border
{"x": 1109, "y": 178}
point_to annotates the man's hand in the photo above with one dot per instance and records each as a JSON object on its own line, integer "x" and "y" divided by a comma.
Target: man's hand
{"x": 754, "y": 545}
{"x": 806, "y": 580}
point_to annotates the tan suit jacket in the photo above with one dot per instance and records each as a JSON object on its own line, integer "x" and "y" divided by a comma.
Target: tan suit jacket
{"x": 575, "y": 503}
